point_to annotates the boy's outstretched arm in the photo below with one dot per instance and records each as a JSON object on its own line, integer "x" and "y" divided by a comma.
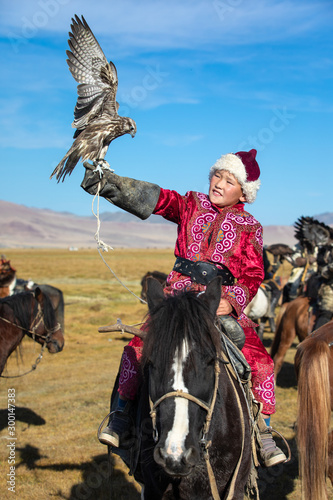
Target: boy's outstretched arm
{"x": 136, "y": 197}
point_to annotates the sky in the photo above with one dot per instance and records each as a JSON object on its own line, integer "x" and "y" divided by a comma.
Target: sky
{"x": 201, "y": 78}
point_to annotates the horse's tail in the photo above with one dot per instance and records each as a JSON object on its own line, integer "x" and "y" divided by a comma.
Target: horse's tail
{"x": 278, "y": 330}
{"x": 313, "y": 416}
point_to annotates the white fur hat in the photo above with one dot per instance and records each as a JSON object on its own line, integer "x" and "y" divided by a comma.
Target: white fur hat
{"x": 243, "y": 165}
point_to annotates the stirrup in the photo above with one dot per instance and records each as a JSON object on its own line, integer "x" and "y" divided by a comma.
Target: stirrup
{"x": 284, "y": 440}
{"x": 269, "y": 452}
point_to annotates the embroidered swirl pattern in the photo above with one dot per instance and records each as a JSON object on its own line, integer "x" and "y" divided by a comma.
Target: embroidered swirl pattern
{"x": 204, "y": 200}
{"x": 266, "y": 390}
{"x": 200, "y": 226}
{"x": 243, "y": 219}
{"x": 259, "y": 236}
{"x": 225, "y": 239}
{"x": 180, "y": 285}
{"x": 128, "y": 369}
{"x": 237, "y": 293}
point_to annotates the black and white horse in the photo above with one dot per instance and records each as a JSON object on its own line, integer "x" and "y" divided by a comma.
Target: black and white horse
{"x": 195, "y": 430}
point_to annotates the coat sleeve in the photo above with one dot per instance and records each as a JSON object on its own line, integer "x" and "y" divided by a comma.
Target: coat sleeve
{"x": 171, "y": 206}
{"x": 251, "y": 272}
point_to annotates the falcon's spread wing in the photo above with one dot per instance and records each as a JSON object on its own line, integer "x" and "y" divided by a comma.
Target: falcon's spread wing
{"x": 312, "y": 233}
{"x": 96, "y": 77}
{"x": 96, "y": 116}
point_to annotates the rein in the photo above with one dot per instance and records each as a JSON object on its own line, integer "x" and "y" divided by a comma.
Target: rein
{"x": 38, "y": 319}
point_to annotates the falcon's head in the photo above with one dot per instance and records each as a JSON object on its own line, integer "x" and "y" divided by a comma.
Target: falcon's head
{"x": 129, "y": 126}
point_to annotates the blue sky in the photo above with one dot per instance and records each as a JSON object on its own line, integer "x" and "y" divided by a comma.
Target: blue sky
{"x": 200, "y": 78}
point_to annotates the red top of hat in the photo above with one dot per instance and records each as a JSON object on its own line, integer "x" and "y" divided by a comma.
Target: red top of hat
{"x": 250, "y": 163}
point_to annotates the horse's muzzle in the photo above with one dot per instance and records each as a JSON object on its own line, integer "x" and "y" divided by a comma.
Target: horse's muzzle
{"x": 55, "y": 346}
{"x": 179, "y": 466}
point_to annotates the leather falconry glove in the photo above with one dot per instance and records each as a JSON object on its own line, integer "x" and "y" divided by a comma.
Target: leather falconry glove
{"x": 136, "y": 197}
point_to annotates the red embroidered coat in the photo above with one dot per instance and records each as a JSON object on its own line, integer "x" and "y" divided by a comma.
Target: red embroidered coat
{"x": 229, "y": 236}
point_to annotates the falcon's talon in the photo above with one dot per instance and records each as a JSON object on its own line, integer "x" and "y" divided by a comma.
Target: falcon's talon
{"x": 101, "y": 165}
{"x": 99, "y": 170}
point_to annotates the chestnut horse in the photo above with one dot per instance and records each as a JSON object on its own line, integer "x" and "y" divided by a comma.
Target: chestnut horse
{"x": 32, "y": 314}
{"x": 293, "y": 321}
{"x": 314, "y": 370}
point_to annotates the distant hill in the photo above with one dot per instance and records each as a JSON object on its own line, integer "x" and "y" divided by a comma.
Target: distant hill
{"x": 21, "y": 226}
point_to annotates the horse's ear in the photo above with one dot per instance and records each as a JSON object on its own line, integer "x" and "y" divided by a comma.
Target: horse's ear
{"x": 212, "y": 295}
{"x": 38, "y": 295}
{"x": 155, "y": 293}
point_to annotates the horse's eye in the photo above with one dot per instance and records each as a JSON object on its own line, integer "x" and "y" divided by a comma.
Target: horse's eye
{"x": 210, "y": 361}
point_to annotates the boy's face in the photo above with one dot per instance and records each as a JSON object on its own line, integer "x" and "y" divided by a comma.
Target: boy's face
{"x": 225, "y": 190}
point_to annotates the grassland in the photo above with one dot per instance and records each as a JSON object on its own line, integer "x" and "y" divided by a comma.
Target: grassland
{"x": 60, "y": 405}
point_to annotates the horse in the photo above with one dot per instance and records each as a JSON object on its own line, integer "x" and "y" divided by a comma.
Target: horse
{"x": 258, "y": 310}
{"x": 29, "y": 314}
{"x": 262, "y": 306}
{"x": 314, "y": 370}
{"x": 161, "y": 277}
{"x": 293, "y": 320}
{"x": 195, "y": 425}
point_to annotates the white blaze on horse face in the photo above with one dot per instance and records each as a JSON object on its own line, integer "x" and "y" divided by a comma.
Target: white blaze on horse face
{"x": 175, "y": 441}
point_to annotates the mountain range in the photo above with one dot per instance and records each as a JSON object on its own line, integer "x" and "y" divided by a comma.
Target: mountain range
{"x": 22, "y": 226}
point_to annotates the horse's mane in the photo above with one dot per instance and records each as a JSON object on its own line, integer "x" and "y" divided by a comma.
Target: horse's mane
{"x": 20, "y": 303}
{"x": 178, "y": 318}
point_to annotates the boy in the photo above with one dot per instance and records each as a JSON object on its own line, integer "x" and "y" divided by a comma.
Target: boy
{"x": 215, "y": 237}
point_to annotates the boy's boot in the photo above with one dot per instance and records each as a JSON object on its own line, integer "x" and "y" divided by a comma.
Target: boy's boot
{"x": 269, "y": 452}
{"x": 118, "y": 431}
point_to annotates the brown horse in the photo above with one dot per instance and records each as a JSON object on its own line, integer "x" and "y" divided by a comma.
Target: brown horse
{"x": 293, "y": 321}
{"x": 55, "y": 295}
{"x": 32, "y": 314}
{"x": 314, "y": 370}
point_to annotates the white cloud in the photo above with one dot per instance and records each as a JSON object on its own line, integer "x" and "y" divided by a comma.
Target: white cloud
{"x": 156, "y": 24}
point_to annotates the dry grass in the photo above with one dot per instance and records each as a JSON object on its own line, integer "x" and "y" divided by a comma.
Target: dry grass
{"x": 60, "y": 406}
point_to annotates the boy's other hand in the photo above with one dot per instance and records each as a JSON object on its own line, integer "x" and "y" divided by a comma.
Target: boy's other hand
{"x": 224, "y": 308}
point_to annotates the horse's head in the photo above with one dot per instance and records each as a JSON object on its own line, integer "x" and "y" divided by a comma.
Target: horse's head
{"x": 45, "y": 325}
{"x": 181, "y": 355}
{"x": 144, "y": 285}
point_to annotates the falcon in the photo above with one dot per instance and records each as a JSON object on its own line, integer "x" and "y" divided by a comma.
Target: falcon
{"x": 96, "y": 116}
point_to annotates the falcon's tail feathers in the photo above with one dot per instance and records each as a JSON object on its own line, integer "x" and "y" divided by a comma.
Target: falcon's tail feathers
{"x": 66, "y": 166}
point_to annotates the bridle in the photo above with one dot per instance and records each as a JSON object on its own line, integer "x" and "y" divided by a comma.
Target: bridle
{"x": 209, "y": 408}
{"x": 181, "y": 394}
{"x": 37, "y": 320}
{"x": 32, "y": 333}
{"x": 204, "y": 442}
